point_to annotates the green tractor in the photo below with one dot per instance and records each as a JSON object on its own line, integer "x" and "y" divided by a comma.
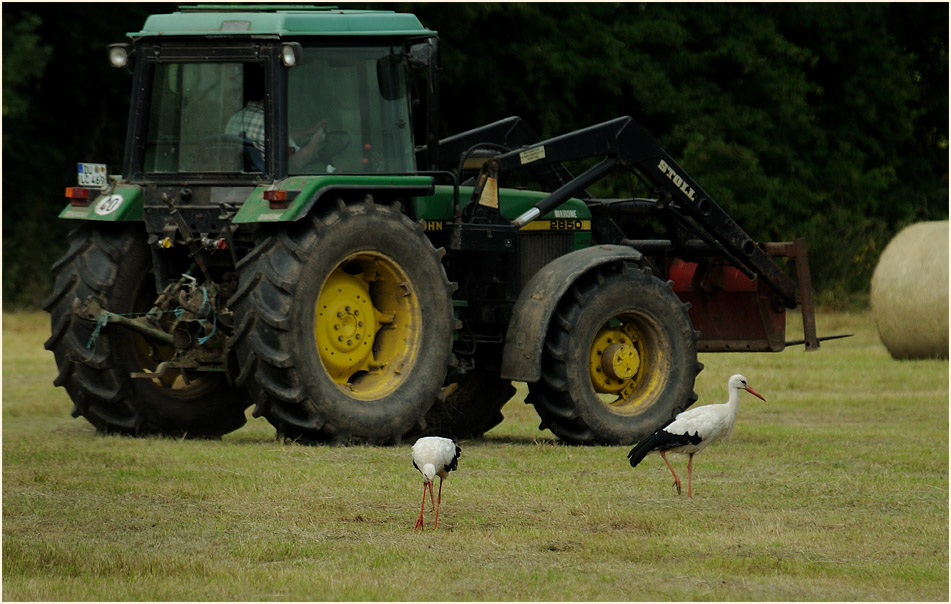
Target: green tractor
{"x": 291, "y": 232}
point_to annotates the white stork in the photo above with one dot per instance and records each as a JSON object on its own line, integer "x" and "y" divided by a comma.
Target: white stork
{"x": 691, "y": 431}
{"x": 434, "y": 456}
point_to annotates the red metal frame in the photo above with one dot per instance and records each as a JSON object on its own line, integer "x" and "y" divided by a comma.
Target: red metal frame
{"x": 737, "y": 314}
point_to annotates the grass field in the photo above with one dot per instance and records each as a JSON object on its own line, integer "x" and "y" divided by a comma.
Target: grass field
{"x": 836, "y": 489}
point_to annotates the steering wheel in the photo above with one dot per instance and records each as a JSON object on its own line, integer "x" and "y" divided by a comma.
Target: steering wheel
{"x": 336, "y": 142}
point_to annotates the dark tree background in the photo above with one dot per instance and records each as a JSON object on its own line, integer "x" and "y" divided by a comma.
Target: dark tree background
{"x": 824, "y": 120}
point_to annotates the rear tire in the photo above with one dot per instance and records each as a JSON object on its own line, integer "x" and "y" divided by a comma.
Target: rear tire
{"x": 344, "y": 326}
{"x": 114, "y": 264}
{"x": 620, "y": 358}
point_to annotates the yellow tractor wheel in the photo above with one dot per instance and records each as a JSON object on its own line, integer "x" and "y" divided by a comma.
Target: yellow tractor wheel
{"x": 345, "y": 325}
{"x": 620, "y": 358}
{"x": 367, "y": 323}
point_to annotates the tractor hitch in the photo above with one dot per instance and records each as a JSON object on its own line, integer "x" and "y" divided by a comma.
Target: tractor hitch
{"x": 184, "y": 317}
{"x": 92, "y": 310}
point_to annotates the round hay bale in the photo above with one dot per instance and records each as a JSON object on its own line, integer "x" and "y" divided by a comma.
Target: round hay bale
{"x": 909, "y": 294}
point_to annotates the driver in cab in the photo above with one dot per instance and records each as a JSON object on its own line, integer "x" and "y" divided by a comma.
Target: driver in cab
{"x": 248, "y": 124}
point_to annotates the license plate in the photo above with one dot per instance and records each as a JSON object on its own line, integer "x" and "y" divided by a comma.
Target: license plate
{"x": 92, "y": 175}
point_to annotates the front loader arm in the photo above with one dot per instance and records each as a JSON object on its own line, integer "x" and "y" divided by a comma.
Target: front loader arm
{"x": 509, "y": 133}
{"x": 625, "y": 144}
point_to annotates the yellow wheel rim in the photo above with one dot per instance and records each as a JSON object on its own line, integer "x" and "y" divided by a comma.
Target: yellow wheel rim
{"x": 627, "y": 363}
{"x": 150, "y": 355}
{"x": 367, "y": 323}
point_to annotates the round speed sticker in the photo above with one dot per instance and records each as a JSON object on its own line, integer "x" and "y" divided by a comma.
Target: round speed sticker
{"x": 109, "y": 204}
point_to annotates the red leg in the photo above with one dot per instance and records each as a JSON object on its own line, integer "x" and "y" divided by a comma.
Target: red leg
{"x": 438, "y": 499}
{"x": 676, "y": 480}
{"x": 419, "y": 522}
{"x": 690, "y": 476}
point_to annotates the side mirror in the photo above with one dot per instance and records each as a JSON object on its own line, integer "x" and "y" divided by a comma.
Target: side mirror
{"x": 421, "y": 54}
{"x": 387, "y": 76}
{"x": 174, "y": 75}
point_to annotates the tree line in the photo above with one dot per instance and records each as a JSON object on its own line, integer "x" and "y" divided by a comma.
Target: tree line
{"x": 822, "y": 120}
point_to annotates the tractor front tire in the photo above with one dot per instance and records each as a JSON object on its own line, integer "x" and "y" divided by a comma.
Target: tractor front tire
{"x": 619, "y": 359}
{"x": 344, "y": 325}
{"x": 113, "y": 264}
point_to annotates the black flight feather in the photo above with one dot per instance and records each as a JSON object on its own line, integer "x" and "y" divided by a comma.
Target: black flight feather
{"x": 455, "y": 460}
{"x": 661, "y": 440}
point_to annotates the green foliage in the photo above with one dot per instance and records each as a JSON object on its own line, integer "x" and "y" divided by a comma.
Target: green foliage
{"x": 21, "y": 46}
{"x": 65, "y": 105}
{"x": 828, "y": 121}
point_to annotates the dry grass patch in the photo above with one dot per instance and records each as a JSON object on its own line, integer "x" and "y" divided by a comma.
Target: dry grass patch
{"x": 836, "y": 489}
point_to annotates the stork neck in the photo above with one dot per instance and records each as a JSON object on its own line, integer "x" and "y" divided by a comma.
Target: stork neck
{"x": 734, "y": 401}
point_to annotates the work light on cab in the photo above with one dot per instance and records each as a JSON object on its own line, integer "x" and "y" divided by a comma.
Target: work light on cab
{"x": 119, "y": 55}
{"x": 291, "y": 54}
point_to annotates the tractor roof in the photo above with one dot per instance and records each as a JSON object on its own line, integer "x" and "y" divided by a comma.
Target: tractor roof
{"x": 281, "y": 20}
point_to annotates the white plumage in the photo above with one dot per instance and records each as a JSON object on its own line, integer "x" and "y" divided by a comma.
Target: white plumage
{"x": 693, "y": 430}
{"x": 434, "y": 456}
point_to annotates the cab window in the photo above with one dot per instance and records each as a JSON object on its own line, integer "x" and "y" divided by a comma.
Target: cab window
{"x": 206, "y": 117}
{"x": 354, "y": 101}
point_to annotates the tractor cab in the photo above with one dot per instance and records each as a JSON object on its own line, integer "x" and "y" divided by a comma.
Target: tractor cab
{"x": 268, "y": 94}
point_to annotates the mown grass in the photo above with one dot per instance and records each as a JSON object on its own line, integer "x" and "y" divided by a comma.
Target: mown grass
{"x": 836, "y": 489}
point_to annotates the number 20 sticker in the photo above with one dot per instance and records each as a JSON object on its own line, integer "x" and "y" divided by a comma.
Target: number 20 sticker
{"x": 109, "y": 204}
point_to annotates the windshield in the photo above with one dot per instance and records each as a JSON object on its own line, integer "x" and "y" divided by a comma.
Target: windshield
{"x": 346, "y": 111}
{"x": 355, "y": 98}
{"x": 192, "y": 125}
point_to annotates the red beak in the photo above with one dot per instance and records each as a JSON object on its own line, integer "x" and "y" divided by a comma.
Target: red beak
{"x": 755, "y": 393}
